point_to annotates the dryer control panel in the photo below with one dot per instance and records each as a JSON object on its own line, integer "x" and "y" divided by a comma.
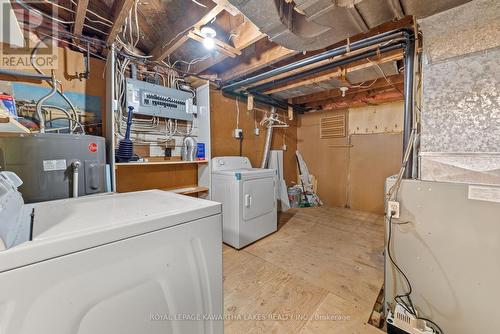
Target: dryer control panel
{"x": 230, "y": 163}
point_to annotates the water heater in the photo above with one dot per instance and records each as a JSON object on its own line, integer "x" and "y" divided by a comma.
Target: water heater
{"x": 54, "y": 166}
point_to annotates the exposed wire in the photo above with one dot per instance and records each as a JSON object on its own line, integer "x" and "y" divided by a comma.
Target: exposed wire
{"x": 133, "y": 53}
{"x": 407, "y": 305}
{"x": 385, "y": 77}
{"x": 361, "y": 84}
{"x": 74, "y": 12}
{"x": 55, "y": 19}
{"x": 94, "y": 13}
{"x": 72, "y": 44}
{"x": 199, "y": 4}
{"x": 175, "y": 37}
{"x": 190, "y": 63}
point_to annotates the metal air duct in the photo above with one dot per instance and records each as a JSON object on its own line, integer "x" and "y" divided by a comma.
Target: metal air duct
{"x": 306, "y": 25}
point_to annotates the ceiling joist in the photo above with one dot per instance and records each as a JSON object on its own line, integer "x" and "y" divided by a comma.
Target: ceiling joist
{"x": 316, "y": 100}
{"x": 81, "y": 10}
{"x": 273, "y": 54}
{"x": 338, "y": 72}
{"x": 222, "y": 47}
{"x": 370, "y": 98}
{"x": 121, "y": 8}
{"x": 265, "y": 54}
{"x": 244, "y": 34}
{"x": 164, "y": 49}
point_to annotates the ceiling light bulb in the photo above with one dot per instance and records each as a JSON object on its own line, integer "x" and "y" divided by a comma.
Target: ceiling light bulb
{"x": 208, "y": 43}
{"x": 206, "y": 31}
{"x": 344, "y": 90}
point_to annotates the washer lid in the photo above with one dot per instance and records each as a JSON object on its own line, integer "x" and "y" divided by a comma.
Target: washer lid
{"x": 70, "y": 225}
{"x": 248, "y": 174}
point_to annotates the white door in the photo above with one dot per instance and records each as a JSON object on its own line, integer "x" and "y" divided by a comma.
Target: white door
{"x": 259, "y": 197}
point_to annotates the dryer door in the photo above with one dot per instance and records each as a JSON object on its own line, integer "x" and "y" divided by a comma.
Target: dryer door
{"x": 259, "y": 197}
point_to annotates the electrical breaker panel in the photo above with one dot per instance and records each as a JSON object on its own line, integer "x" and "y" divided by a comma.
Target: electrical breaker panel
{"x": 155, "y": 100}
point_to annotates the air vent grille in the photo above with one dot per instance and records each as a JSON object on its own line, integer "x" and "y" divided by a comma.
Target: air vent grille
{"x": 333, "y": 127}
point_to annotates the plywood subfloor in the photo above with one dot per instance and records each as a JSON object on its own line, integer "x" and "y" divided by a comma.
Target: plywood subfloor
{"x": 320, "y": 273}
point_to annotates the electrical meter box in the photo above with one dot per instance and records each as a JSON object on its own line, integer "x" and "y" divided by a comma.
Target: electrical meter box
{"x": 155, "y": 100}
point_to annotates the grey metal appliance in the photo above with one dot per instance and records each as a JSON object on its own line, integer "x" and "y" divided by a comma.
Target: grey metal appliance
{"x": 155, "y": 100}
{"x": 55, "y": 166}
{"x": 447, "y": 242}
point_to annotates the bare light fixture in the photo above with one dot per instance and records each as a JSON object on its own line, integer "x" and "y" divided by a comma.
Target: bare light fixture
{"x": 208, "y": 35}
{"x": 344, "y": 90}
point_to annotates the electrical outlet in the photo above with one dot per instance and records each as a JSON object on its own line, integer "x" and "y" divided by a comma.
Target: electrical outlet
{"x": 393, "y": 209}
{"x": 256, "y": 131}
{"x": 238, "y": 133}
{"x": 284, "y": 147}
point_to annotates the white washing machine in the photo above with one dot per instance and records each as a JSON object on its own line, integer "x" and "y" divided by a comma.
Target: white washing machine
{"x": 248, "y": 197}
{"x": 146, "y": 262}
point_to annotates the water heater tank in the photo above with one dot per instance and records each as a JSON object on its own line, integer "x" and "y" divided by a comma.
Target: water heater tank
{"x": 45, "y": 163}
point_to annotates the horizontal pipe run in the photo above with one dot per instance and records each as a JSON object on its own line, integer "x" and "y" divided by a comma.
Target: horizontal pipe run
{"x": 378, "y": 39}
{"x": 26, "y": 75}
{"x": 267, "y": 100}
{"x": 325, "y": 67}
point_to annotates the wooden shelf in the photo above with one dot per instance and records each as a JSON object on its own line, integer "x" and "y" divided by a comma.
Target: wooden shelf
{"x": 168, "y": 162}
{"x": 188, "y": 190}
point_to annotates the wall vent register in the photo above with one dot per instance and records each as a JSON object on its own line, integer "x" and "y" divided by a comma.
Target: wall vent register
{"x": 333, "y": 127}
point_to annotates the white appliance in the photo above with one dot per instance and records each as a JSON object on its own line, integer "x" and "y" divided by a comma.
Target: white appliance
{"x": 146, "y": 262}
{"x": 447, "y": 242}
{"x": 248, "y": 197}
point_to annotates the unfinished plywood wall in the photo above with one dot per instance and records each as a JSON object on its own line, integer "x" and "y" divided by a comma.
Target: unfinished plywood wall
{"x": 224, "y": 121}
{"x": 136, "y": 178}
{"x": 351, "y": 170}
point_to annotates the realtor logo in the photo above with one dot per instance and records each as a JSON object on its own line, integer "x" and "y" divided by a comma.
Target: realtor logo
{"x": 24, "y": 35}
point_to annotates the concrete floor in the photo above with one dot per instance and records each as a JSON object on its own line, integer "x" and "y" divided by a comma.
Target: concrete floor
{"x": 320, "y": 273}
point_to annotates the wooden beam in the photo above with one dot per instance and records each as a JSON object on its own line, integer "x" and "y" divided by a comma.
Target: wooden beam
{"x": 121, "y": 8}
{"x": 336, "y": 72}
{"x": 218, "y": 47}
{"x": 165, "y": 49}
{"x": 363, "y": 99}
{"x": 81, "y": 10}
{"x": 266, "y": 53}
{"x": 250, "y": 103}
{"x": 311, "y": 66}
{"x": 225, "y": 48}
{"x": 206, "y": 64}
{"x": 327, "y": 95}
{"x": 245, "y": 35}
{"x": 256, "y": 63}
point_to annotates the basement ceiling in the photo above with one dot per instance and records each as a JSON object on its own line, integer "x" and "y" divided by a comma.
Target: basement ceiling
{"x": 306, "y": 25}
{"x": 361, "y": 78}
{"x": 253, "y": 35}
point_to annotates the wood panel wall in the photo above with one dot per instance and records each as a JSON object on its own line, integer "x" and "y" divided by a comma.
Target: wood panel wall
{"x": 136, "y": 178}
{"x": 351, "y": 171}
{"x": 223, "y": 123}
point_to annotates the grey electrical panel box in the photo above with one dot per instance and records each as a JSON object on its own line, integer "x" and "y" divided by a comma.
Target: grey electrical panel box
{"x": 155, "y": 100}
